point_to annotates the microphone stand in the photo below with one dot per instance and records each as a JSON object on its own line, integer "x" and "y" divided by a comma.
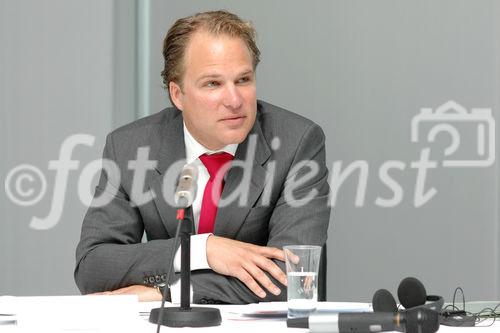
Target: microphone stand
{"x": 185, "y": 315}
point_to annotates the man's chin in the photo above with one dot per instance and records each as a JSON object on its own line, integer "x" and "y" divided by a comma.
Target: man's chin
{"x": 235, "y": 139}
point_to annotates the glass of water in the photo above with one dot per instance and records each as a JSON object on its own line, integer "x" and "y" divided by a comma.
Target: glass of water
{"x": 302, "y": 266}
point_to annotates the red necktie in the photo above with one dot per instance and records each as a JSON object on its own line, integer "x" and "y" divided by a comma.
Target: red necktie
{"x": 213, "y": 189}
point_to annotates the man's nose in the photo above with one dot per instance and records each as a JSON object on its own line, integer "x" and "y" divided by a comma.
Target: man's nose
{"x": 232, "y": 97}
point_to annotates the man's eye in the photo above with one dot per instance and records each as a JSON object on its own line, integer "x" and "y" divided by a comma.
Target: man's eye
{"x": 244, "y": 79}
{"x": 212, "y": 84}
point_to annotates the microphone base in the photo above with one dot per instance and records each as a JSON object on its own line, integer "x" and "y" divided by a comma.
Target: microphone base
{"x": 192, "y": 317}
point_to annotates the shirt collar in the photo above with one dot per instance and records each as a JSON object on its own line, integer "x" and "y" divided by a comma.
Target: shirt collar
{"x": 194, "y": 149}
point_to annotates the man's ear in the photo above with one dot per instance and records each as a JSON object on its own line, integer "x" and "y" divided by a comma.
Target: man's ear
{"x": 175, "y": 94}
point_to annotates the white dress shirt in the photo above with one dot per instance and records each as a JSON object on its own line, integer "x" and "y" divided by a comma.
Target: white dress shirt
{"x": 194, "y": 150}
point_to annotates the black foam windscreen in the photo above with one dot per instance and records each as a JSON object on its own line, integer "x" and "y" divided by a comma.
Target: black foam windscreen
{"x": 383, "y": 301}
{"x": 411, "y": 293}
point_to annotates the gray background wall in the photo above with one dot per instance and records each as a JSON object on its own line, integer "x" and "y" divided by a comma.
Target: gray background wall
{"x": 361, "y": 69}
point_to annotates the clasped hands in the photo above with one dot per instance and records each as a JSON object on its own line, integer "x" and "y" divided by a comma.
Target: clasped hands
{"x": 244, "y": 261}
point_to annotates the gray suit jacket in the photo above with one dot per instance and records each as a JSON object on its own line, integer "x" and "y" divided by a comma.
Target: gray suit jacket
{"x": 110, "y": 254}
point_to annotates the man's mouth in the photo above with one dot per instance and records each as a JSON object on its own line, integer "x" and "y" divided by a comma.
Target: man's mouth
{"x": 234, "y": 121}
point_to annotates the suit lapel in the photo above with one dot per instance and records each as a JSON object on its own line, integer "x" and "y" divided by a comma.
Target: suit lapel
{"x": 171, "y": 151}
{"x": 231, "y": 217}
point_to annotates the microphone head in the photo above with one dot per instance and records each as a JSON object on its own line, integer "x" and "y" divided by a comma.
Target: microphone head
{"x": 186, "y": 188}
{"x": 421, "y": 320}
{"x": 411, "y": 293}
{"x": 383, "y": 301}
{"x": 189, "y": 171}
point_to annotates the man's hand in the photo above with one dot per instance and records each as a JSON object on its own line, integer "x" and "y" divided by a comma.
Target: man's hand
{"x": 146, "y": 294}
{"x": 246, "y": 262}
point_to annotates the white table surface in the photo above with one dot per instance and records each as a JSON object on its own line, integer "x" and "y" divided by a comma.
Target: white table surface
{"x": 85, "y": 314}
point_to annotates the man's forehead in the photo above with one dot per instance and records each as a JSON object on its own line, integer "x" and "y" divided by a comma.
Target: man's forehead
{"x": 208, "y": 41}
{"x": 207, "y": 50}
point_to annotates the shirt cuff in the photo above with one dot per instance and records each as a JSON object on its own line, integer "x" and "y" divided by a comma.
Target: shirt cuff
{"x": 198, "y": 254}
{"x": 175, "y": 292}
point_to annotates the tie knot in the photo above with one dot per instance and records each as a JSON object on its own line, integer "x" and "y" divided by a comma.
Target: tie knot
{"x": 215, "y": 162}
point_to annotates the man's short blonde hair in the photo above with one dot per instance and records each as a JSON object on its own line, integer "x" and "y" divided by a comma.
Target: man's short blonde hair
{"x": 216, "y": 22}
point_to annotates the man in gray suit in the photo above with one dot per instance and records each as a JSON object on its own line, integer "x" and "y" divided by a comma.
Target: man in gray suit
{"x": 278, "y": 178}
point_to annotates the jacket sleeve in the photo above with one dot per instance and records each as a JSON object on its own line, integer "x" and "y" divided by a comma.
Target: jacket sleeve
{"x": 110, "y": 254}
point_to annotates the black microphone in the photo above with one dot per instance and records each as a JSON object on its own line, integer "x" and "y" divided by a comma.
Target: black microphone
{"x": 185, "y": 315}
{"x": 416, "y": 320}
{"x": 186, "y": 188}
